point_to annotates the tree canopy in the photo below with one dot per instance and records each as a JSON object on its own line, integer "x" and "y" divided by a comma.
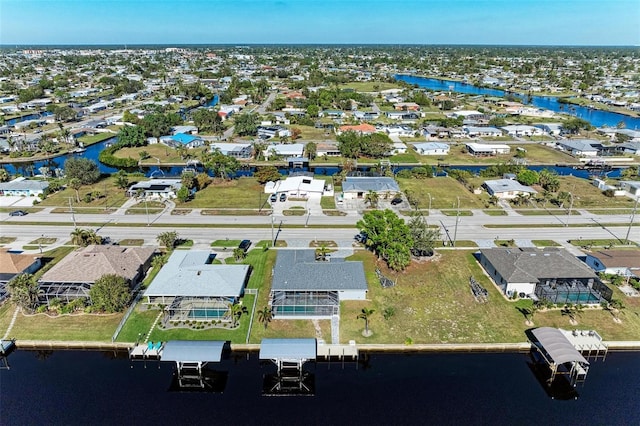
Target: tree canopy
{"x": 131, "y": 136}
{"x": 354, "y": 145}
{"x": 24, "y": 291}
{"x": 82, "y": 169}
{"x": 424, "y": 238}
{"x": 388, "y": 236}
{"x": 246, "y": 124}
{"x": 267, "y": 174}
{"x": 110, "y": 293}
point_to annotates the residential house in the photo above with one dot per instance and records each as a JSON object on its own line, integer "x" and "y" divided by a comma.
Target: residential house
{"x": 187, "y": 130}
{"x": 75, "y": 274}
{"x": 306, "y": 288}
{"x": 12, "y": 264}
{"x": 520, "y": 130}
{"x": 155, "y": 189}
{"x": 327, "y": 149}
{"x": 366, "y": 115}
{"x": 432, "y": 148}
{"x": 631, "y": 187}
{"x": 507, "y": 189}
{"x": 553, "y": 129}
{"x": 406, "y": 106}
{"x": 182, "y": 139}
{"x": 618, "y": 262}
{"x": 23, "y": 187}
{"x": 356, "y": 187}
{"x": 476, "y": 131}
{"x": 236, "y": 150}
{"x": 468, "y": 115}
{"x": 363, "y": 129}
{"x": 284, "y": 150}
{"x": 193, "y": 288}
{"x": 299, "y": 187}
{"x": 579, "y": 147}
{"x": 403, "y": 115}
{"x": 543, "y": 274}
{"x": 632, "y": 148}
{"x": 268, "y": 132}
{"x": 485, "y": 149}
{"x": 332, "y": 113}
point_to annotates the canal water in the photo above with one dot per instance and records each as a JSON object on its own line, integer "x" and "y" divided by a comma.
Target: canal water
{"x": 81, "y": 388}
{"x": 596, "y": 117}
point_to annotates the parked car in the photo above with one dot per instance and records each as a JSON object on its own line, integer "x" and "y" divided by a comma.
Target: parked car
{"x": 274, "y": 197}
{"x": 396, "y": 201}
{"x": 283, "y": 197}
{"x": 244, "y": 245}
{"x": 18, "y": 213}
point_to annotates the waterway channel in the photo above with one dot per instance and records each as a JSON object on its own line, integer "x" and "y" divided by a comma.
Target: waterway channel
{"x": 596, "y": 117}
{"x": 74, "y": 387}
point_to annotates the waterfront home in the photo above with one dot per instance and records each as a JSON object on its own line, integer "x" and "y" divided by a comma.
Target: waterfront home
{"x": 155, "y": 189}
{"x": 12, "y": 264}
{"x": 306, "y": 288}
{"x": 550, "y": 274}
{"x": 284, "y": 150}
{"x": 75, "y": 274}
{"x": 631, "y": 187}
{"x": 553, "y": 129}
{"x": 397, "y": 148}
{"x": 356, "y": 187}
{"x": 432, "y": 148}
{"x": 632, "y": 148}
{"x": 327, "y": 149}
{"x": 299, "y": 187}
{"x": 476, "y": 131}
{"x": 507, "y": 189}
{"x": 520, "y": 130}
{"x": 485, "y": 149}
{"x": 236, "y": 150}
{"x": 468, "y": 115}
{"x": 193, "y": 288}
{"x": 182, "y": 139}
{"x": 402, "y": 115}
{"x": 579, "y": 147}
{"x": 618, "y": 262}
{"x": 406, "y": 106}
{"x": 23, "y": 187}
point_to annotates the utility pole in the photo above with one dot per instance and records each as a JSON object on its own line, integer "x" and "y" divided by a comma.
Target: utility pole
{"x": 273, "y": 243}
{"x": 146, "y": 207}
{"x": 73, "y": 216}
{"x": 570, "y": 208}
{"x": 455, "y": 230}
{"x": 633, "y": 215}
{"x": 429, "y": 211}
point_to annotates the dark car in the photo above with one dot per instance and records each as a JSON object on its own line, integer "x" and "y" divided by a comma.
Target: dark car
{"x": 18, "y": 213}
{"x": 274, "y": 197}
{"x": 244, "y": 245}
{"x": 283, "y": 197}
{"x": 396, "y": 201}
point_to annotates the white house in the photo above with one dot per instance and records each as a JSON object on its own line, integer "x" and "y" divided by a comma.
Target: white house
{"x": 237, "y": 150}
{"x": 476, "y": 131}
{"x": 24, "y": 187}
{"x": 507, "y": 188}
{"x": 156, "y": 188}
{"x": 519, "y": 130}
{"x": 299, "y": 187}
{"x": 432, "y": 148}
{"x": 619, "y": 262}
{"x": 485, "y": 149}
{"x": 553, "y": 129}
{"x": 579, "y": 147}
{"x": 355, "y": 187}
{"x": 284, "y": 150}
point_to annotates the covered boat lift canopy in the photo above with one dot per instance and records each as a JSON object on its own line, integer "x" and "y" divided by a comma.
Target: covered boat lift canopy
{"x": 560, "y": 354}
{"x": 287, "y": 353}
{"x": 190, "y": 357}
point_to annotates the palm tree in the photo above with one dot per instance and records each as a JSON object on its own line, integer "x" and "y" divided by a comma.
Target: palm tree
{"x": 372, "y": 198}
{"x": 265, "y": 315}
{"x": 76, "y": 184}
{"x": 239, "y": 254}
{"x": 235, "y": 311}
{"x": 322, "y": 252}
{"x": 78, "y": 236}
{"x": 365, "y": 314}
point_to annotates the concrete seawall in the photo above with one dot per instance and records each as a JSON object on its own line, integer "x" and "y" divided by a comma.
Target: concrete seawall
{"x": 373, "y": 348}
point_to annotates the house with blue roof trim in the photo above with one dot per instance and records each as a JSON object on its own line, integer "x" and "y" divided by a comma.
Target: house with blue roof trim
{"x": 182, "y": 139}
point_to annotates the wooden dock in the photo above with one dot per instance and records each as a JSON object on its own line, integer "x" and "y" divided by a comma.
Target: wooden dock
{"x": 327, "y": 351}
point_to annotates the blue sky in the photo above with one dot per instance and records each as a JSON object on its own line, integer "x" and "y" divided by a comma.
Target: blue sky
{"x": 531, "y": 22}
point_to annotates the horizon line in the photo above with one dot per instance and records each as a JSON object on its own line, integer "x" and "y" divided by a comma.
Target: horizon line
{"x": 239, "y": 44}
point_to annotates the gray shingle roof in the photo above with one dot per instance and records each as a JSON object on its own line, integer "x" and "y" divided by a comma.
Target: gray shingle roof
{"x": 528, "y": 264}
{"x": 298, "y": 270}
{"x": 507, "y": 185}
{"x": 87, "y": 264}
{"x": 188, "y": 274}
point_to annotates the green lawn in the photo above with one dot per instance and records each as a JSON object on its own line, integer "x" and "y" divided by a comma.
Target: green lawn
{"x": 238, "y": 193}
{"x": 98, "y": 137}
{"x": 369, "y": 86}
{"x": 444, "y": 192}
{"x": 585, "y": 195}
{"x": 433, "y": 304}
{"x": 328, "y": 203}
{"x": 112, "y": 196}
{"x": 225, "y": 243}
{"x": 90, "y": 327}
{"x": 6, "y": 312}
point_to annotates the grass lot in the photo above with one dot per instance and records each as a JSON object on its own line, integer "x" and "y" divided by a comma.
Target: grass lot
{"x": 310, "y": 133}
{"x": 599, "y": 243}
{"x": 98, "y": 137}
{"x": 610, "y": 211}
{"x": 586, "y": 195}
{"x": 113, "y": 196}
{"x": 409, "y": 157}
{"x": 328, "y": 203}
{"x": 66, "y": 327}
{"x": 7, "y": 240}
{"x": 6, "y": 312}
{"x": 444, "y": 192}
{"x": 433, "y": 304}
{"x": 368, "y": 86}
{"x": 156, "y": 152}
{"x": 237, "y": 193}
{"x": 225, "y": 243}
{"x": 495, "y": 212}
{"x": 131, "y": 242}
{"x": 150, "y": 207}
{"x": 543, "y": 212}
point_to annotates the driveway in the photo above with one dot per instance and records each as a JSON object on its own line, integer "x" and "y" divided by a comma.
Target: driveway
{"x": 16, "y": 201}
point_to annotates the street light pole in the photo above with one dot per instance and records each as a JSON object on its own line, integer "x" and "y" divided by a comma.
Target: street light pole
{"x": 429, "y": 212}
{"x": 633, "y": 215}
{"x": 273, "y": 243}
{"x": 146, "y": 207}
